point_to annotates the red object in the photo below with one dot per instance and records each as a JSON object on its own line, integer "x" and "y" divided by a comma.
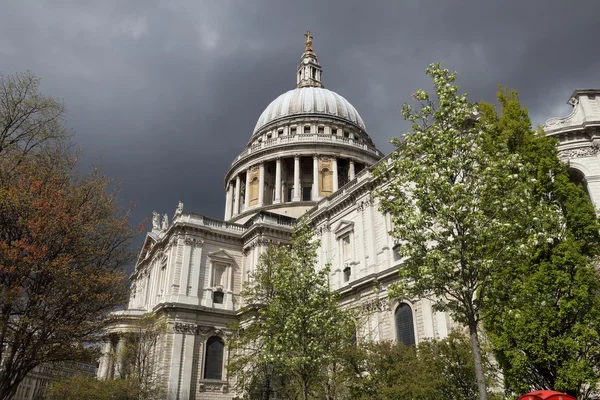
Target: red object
{"x": 546, "y": 395}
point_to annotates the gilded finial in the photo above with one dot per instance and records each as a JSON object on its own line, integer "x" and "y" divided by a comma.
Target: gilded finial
{"x": 308, "y": 41}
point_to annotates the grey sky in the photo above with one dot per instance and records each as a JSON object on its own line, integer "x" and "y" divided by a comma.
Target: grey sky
{"x": 168, "y": 92}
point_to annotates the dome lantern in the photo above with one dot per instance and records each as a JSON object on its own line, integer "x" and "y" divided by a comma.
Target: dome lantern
{"x": 309, "y": 71}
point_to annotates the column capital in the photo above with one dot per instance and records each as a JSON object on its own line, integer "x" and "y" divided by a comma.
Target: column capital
{"x": 296, "y": 156}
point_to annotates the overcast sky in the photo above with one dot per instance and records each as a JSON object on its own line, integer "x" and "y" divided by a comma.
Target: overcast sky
{"x": 167, "y": 93}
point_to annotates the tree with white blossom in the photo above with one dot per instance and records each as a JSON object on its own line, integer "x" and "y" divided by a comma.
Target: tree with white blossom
{"x": 461, "y": 212}
{"x": 293, "y": 331}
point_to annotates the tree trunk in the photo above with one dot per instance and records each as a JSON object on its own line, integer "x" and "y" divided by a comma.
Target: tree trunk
{"x": 477, "y": 359}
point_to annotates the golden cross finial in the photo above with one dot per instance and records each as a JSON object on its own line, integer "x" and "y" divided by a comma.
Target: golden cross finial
{"x": 308, "y": 40}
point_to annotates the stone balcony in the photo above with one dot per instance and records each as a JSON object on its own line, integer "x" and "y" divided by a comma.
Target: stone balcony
{"x": 282, "y": 141}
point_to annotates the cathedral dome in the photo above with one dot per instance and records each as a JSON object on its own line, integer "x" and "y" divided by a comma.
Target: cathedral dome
{"x": 309, "y": 100}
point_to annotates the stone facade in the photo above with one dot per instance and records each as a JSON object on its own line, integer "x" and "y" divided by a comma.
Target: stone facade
{"x": 309, "y": 155}
{"x": 579, "y": 140}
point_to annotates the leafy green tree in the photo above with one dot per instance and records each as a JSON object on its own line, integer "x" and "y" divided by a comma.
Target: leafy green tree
{"x": 293, "y": 330}
{"x": 88, "y": 388}
{"x": 460, "y": 211}
{"x": 544, "y": 317}
{"x": 433, "y": 370}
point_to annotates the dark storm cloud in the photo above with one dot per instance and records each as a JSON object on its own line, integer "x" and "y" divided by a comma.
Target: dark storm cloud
{"x": 168, "y": 93}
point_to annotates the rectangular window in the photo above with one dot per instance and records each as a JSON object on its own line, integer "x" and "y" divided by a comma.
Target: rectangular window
{"x": 397, "y": 255}
{"x": 306, "y": 128}
{"x": 290, "y": 194}
{"x": 346, "y": 248}
{"x": 306, "y": 191}
{"x": 218, "y": 297}
{"x": 321, "y": 129}
{"x": 293, "y": 130}
{"x": 219, "y": 274}
{"x": 347, "y": 273}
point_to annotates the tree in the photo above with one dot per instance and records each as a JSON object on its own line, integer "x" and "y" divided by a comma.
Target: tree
{"x": 293, "y": 329}
{"x": 139, "y": 357}
{"x": 433, "y": 370}
{"x": 28, "y": 118}
{"x": 63, "y": 248}
{"x": 83, "y": 387}
{"x": 461, "y": 212}
{"x": 544, "y": 318}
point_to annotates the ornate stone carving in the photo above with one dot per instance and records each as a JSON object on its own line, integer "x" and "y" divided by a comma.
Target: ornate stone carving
{"x": 191, "y": 329}
{"x": 155, "y": 221}
{"x": 190, "y": 241}
{"x": 222, "y": 387}
{"x": 376, "y": 305}
{"x": 587, "y": 151}
{"x": 165, "y": 222}
{"x": 196, "y": 329}
{"x": 179, "y": 209}
{"x": 323, "y": 229}
{"x": 363, "y": 204}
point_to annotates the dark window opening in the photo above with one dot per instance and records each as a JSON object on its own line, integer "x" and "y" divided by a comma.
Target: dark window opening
{"x": 290, "y": 194}
{"x": 578, "y": 179}
{"x": 396, "y": 251}
{"x": 293, "y": 130}
{"x": 347, "y": 273}
{"x": 405, "y": 331}
{"x": 218, "y": 297}
{"x": 213, "y": 366}
{"x": 306, "y": 128}
{"x": 321, "y": 129}
{"x": 306, "y": 192}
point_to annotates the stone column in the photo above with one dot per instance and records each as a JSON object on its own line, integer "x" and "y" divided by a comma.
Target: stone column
{"x": 351, "y": 173}
{"x": 238, "y": 182}
{"x": 296, "y": 178}
{"x": 277, "y": 199}
{"x": 187, "y": 365}
{"x": 261, "y": 185}
{"x": 105, "y": 360}
{"x": 175, "y": 366}
{"x": 247, "y": 202}
{"x": 228, "y": 201}
{"x": 315, "y": 186}
{"x": 119, "y": 363}
{"x": 335, "y": 174}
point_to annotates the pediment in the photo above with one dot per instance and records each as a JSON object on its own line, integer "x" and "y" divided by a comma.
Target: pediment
{"x": 343, "y": 227}
{"x": 149, "y": 242}
{"x": 222, "y": 255}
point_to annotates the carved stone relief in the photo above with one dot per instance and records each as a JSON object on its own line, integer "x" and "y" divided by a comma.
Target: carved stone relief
{"x": 588, "y": 151}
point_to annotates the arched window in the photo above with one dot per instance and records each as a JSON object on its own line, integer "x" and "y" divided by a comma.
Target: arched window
{"x": 405, "y": 331}
{"x": 578, "y": 178}
{"x": 213, "y": 364}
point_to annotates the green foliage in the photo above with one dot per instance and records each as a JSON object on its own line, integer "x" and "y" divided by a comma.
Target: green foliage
{"x": 544, "y": 312}
{"x": 293, "y": 330}
{"x": 84, "y": 387}
{"x": 435, "y": 370}
{"x": 463, "y": 209}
